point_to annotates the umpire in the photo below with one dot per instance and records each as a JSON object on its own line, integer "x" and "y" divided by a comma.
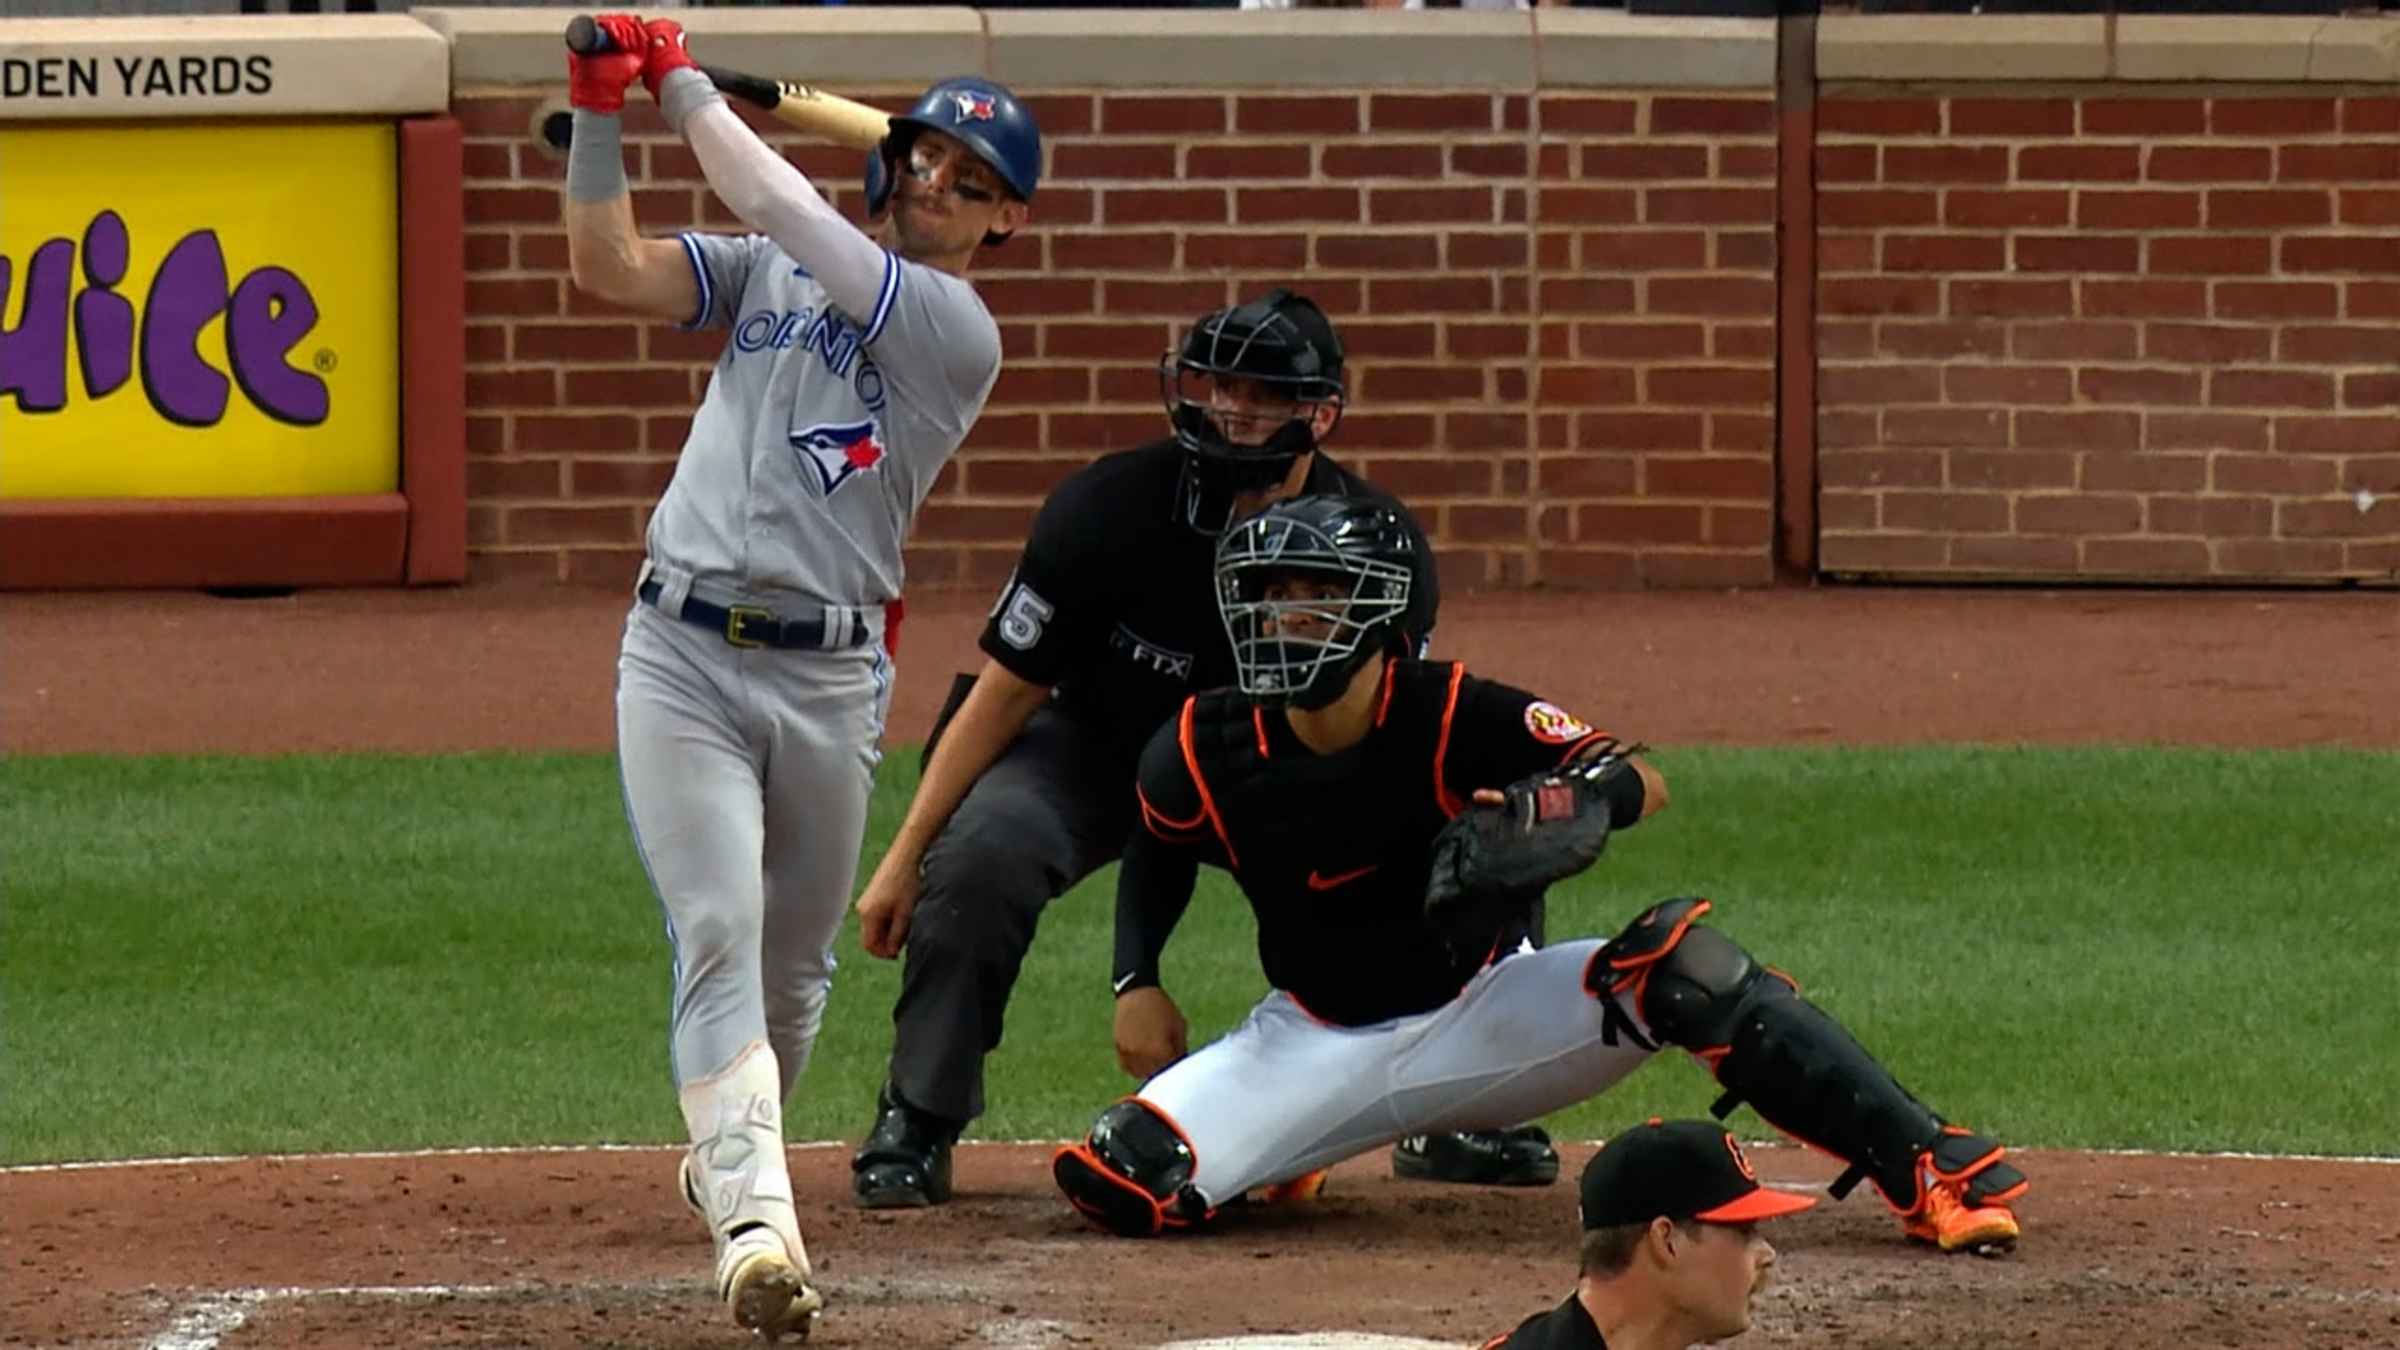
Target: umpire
{"x": 1107, "y": 625}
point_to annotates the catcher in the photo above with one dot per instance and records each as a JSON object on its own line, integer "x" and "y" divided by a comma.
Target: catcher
{"x": 1349, "y": 791}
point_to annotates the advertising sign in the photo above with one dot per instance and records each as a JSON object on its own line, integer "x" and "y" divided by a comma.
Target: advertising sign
{"x": 199, "y": 309}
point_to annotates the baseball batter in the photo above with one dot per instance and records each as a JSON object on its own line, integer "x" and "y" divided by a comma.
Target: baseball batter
{"x": 755, "y": 671}
{"x": 1326, "y": 783}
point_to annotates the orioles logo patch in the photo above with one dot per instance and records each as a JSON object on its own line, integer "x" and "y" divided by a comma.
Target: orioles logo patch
{"x": 1554, "y": 725}
{"x": 1740, "y": 1159}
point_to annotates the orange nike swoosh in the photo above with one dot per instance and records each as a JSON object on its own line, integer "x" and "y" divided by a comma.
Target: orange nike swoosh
{"x": 1325, "y": 883}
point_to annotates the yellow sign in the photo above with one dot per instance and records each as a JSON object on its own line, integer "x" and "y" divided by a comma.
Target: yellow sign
{"x": 203, "y": 309}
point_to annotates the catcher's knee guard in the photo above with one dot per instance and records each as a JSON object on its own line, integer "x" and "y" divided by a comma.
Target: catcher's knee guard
{"x": 1132, "y": 1174}
{"x": 1795, "y": 1065}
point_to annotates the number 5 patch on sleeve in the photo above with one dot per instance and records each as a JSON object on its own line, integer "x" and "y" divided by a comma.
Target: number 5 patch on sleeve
{"x": 1023, "y": 616}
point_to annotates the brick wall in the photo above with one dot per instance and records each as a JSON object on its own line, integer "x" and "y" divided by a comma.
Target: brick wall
{"x": 1655, "y": 252}
{"x": 2086, "y": 332}
{"x": 1623, "y": 284}
{"x": 2102, "y": 336}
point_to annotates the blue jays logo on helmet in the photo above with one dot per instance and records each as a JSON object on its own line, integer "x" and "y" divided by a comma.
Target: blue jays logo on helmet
{"x": 973, "y": 106}
{"x": 839, "y": 451}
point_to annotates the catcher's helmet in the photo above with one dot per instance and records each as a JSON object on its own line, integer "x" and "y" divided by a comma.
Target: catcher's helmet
{"x": 984, "y": 116}
{"x": 1361, "y": 556}
{"x": 1284, "y": 343}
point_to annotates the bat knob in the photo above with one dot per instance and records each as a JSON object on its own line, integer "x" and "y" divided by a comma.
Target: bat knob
{"x": 586, "y": 38}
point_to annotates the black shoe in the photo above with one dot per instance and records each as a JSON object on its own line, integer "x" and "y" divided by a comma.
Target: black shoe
{"x": 1519, "y": 1157}
{"x": 905, "y": 1162}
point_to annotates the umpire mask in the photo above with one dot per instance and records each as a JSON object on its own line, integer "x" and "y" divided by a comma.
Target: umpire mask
{"x": 1242, "y": 394}
{"x": 1309, "y": 589}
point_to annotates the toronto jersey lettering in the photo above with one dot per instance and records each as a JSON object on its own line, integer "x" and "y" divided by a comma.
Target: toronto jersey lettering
{"x": 1334, "y": 851}
{"x": 1114, "y": 601}
{"x": 821, "y": 431}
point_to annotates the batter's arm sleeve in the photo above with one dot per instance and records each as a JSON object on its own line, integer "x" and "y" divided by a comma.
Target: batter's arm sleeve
{"x": 769, "y": 195}
{"x": 606, "y": 254}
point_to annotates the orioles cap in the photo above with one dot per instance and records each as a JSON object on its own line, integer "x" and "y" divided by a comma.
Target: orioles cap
{"x": 1678, "y": 1169}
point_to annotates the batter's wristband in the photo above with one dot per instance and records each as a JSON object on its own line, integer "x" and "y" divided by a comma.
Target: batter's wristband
{"x": 683, "y": 92}
{"x": 596, "y": 157}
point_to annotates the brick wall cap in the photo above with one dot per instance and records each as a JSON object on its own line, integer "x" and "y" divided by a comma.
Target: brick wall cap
{"x": 2258, "y": 48}
{"x": 323, "y": 64}
{"x": 1282, "y": 49}
{"x": 1602, "y": 49}
{"x": 842, "y": 48}
{"x": 1961, "y": 47}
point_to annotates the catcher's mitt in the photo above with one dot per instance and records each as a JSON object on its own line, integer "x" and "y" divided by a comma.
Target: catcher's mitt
{"x": 1492, "y": 861}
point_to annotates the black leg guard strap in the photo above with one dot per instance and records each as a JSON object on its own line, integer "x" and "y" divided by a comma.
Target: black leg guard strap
{"x": 1131, "y": 1175}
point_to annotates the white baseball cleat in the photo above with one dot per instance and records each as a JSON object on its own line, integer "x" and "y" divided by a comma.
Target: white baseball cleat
{"x": 767, "y": 1292}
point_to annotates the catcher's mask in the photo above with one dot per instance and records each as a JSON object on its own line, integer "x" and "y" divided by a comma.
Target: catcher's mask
{"x": 1242, "y": 393}
{"x": 1309, "y": 590}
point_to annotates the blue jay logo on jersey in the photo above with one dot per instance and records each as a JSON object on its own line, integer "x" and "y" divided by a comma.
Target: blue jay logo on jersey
{"x": 839, "y": 451}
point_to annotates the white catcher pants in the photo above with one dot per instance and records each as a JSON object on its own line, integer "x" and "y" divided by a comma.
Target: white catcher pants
{"x": 1284, "y": 1094}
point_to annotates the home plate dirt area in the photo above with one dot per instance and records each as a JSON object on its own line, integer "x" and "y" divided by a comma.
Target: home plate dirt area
{"x": 559, "y": 1249}
{"x": 594, "y": 1249}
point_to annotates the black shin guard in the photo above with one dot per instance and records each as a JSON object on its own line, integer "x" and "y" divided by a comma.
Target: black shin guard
{"x": 1810, "y": 1078}
{"x": 1793, "y": 1064}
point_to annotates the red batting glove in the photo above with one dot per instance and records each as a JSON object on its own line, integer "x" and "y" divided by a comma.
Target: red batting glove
{"x": 667, "y": 53}
{"x": 597, "y": 83}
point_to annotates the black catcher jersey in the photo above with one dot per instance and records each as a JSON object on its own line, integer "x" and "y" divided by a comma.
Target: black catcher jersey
{"x": 1113, "y": 601}
{"x": 1334, "y": 851}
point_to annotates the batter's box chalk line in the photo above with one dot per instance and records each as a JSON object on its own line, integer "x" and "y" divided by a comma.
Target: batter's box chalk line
{"x": 206, "y": 1320}
{"x": 1314, "y": 1340}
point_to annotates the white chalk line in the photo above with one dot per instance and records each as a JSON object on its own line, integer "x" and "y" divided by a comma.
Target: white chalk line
{"x": 202, "y": 1323}
{"x": 541, "y": 1150}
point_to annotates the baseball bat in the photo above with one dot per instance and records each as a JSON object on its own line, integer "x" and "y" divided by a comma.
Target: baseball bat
{"x": 829, "y": 117}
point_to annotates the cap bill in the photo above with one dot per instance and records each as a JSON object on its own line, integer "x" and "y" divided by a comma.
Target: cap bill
{"x": 1758, "y": 1204}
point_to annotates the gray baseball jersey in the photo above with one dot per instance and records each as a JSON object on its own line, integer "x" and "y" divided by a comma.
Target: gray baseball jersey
{"x": 821, "y": 431}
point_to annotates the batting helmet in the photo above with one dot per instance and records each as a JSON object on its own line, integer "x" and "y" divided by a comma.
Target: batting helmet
{"x": 1363, "y": 558}
{"x": 984, "y": 116}
{"x": 1285, "y": 344}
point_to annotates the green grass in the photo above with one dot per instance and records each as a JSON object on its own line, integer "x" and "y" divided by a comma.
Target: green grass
{"x": 2089, "y": 948}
